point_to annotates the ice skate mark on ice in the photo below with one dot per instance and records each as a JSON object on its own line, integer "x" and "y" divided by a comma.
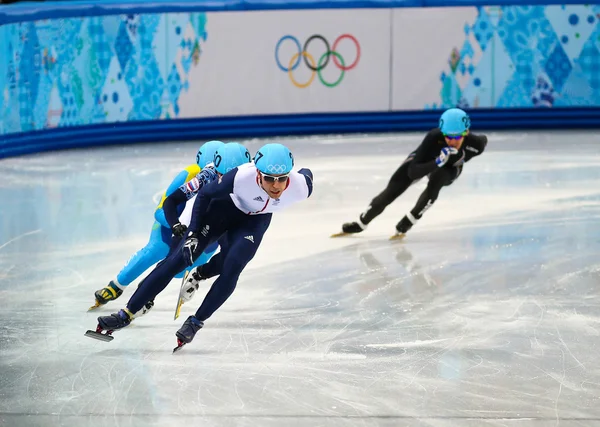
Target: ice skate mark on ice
{"x": 477, "y": 365}
{"x": 229, "y": 343}
{"x": 80, "y": 373}
{"x": 245, "y": 344}
{"x": 318, "y": 355}
{"x": 79, "y": 276}
{"x": 584, "y": 382}
{"x": 286, "y": 334}
{"x": 535, "y": 329}
{"x": 31, "y": 378}
{"x": 414, "y": 377}
{"x": 410, "y": 344}
{"x": 237, "y": 392}
{"x": 335, "y": 337}
{"x": 74, "y": 393}
{"x": 567, "y": 347}
{"x": 561, "y": 380}
{"x": 19, "y": 237}
{"x": 560, "y": 386}
{"x": 358, "y": 407}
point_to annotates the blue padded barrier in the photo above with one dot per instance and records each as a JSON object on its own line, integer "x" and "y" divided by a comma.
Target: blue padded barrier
{"x": 289, "y": 124}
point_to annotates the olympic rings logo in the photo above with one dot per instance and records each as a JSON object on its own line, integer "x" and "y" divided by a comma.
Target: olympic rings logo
{"x": 277, "y": 169}
{"x": 318, "y": 66}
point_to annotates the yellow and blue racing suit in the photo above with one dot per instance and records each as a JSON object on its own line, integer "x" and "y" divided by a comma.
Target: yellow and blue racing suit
{"x": 161, "y": 237}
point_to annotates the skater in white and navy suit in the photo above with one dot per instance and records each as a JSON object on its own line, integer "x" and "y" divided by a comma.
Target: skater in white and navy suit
{"x": 236, "y": 211}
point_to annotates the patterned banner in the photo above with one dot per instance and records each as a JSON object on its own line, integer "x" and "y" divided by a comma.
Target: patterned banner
{"x": 94, "y": 70}
{"x": 499, "y": 57}
{"x": 78, "y": 71}
{"x": 108, "y": 69}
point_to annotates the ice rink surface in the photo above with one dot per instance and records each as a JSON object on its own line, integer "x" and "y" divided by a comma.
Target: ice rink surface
{"x": 487, "y": 314}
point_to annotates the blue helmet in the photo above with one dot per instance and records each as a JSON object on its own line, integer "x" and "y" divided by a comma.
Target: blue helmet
{"x": 454, "y": 122}
{"x": 230, "y": 156}
{"x": 274, "y": 159}
{"x": 206, "y": 153}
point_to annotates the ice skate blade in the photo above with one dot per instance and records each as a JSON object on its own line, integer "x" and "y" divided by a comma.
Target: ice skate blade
{"x": 179, "y": 299}
{"x": 95, "y": 306}
{"x": 341, "y": 234}
{"x": 398, "y": 236}
{"x": 180, "y": 345}
{"x": 178, "y": 309}
{"x": 99, "y": 336}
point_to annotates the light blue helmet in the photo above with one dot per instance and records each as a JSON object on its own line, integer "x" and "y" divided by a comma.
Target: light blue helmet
{"x": 230, "y": 156}
{"x": 206, "y": 153}
{"x": 274, "y": 159}
{"x": 454, "y": 122}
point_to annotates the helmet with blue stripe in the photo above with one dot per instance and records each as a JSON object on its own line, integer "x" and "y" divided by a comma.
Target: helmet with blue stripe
{"x": 274, "y": 159}
{"x": 454, "y": 122}
{"x": 206, "y": 153}
{"x": 230, "y": 156}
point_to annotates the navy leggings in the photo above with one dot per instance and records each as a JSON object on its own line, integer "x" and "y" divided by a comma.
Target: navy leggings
{"x": 239, "y": 236}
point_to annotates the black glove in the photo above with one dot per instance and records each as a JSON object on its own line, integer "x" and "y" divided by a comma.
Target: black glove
{"x": 188, "y": 249}
{"x": 179, "y": 230}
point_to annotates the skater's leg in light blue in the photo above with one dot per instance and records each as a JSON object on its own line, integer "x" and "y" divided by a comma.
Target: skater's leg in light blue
{"x": 156, "y": 249}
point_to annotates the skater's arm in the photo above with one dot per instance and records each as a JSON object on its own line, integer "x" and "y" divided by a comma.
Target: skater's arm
{"x": 182, "y": 177}
{"x": 423, "y": 162}
{"x": 482, "y": 142}
{"x": 170, "y": 206}
{"x": 218, "y": 189}
{"x": 475, "y": 145}
{"x": 308, "y": 176}
{"x": 185, "y": 193}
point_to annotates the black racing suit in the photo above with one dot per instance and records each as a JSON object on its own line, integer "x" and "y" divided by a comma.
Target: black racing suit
{"x": 418, "y": 164}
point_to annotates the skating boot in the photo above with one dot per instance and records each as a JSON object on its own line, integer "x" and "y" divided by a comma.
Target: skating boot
{"x": 145, "y": 309}
{"x": 403, "y": 226}
{"x": 192, "y": 283}
{"x": 351, "y": 228}
{"x": 110, "y": 324}
{"x": 189, "y": 286}
{"x": 104, "y": 295}
{"x": 186, "y": 333}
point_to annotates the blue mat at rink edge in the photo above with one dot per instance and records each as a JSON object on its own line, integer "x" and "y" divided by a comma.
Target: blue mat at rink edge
{"x": 486, "y": 314}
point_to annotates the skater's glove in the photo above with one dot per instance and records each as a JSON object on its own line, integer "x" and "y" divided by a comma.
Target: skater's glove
{"x": 179, "y": 230}
{"x": 189, "y": 247}
{"x": 444, "y": 156}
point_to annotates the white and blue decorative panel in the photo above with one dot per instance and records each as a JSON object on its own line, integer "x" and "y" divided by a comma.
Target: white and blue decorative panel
{"x": 93, "y": 70}
{"x": 153, "y": 67}
{"x": 524, "y": 56}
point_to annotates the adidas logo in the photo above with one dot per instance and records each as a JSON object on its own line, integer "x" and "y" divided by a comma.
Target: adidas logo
{"x": 205, "y": 230}
{"x": 259, "y": 199}
{"x": 251, "y": 238}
